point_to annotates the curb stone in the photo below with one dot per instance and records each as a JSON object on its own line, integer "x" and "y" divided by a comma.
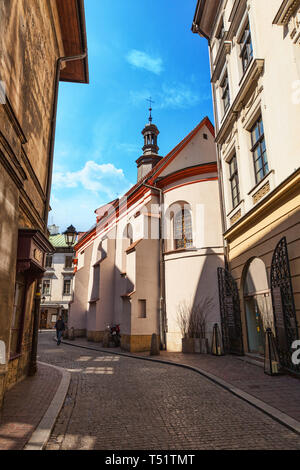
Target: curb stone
{"x": 272, "y": 412}
{"x": 41, "y": 435}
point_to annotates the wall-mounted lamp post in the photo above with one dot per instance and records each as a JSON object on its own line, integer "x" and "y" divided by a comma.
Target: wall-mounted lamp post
{"x": 70, "y": 236}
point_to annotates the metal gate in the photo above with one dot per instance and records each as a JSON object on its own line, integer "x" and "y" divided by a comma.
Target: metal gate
{"x": 230, "y": 313}
{"x": 285, "y": 321}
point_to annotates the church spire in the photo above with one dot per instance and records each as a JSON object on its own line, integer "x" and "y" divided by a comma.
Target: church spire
{"x": 150, "y": 156}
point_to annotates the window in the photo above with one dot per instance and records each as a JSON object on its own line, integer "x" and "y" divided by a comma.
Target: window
{"x": 67, "y": 286}
{"x": 80, "y": 260}
{"x": 225, "y": 92}
{"x": 128, "y": 233}
{"x": 258, "y": 150}
{"x": 68, "y": 262}
{"x": 49, "y": 260}
{"x": 96, "y": 283}
{"x": 234, "y": 181}
{"x": 142, "y": 309}
{"x": 46, "y": 287}
{"x": 246, "y": 47}
{"x": 18, "y": 309}
{"x": 183, "y": 229}
{"x": 221, "y": 31}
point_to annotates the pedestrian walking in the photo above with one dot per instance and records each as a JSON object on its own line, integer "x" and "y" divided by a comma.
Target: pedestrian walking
{"x": 60, "y": 328}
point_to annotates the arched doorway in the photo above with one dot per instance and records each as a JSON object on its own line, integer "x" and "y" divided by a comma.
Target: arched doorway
{"x": 258, "y": 304}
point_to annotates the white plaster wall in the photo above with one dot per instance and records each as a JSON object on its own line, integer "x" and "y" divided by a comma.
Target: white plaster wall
{"x": 147, "y": 288}
{"x": 79, "y": 307}
{"x": 191, "y": 275}
{"x": 197, "y": 151}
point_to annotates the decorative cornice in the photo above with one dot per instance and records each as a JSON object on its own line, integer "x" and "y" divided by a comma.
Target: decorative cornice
{"x": 14, "y": 121}
{"x": 283, "y": 191}
{"x": 225, "y": 49}
{"x": 251, "y": 77}
{"x": 187, "y": 172}
{"x": 285, "y": 12}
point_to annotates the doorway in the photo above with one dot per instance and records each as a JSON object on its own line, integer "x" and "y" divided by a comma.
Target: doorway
{"x": 258, "y": 305}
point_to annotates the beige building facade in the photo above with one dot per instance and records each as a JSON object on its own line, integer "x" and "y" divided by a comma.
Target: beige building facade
{"x": 254, "y": 50}
{"x": 41, "y": 43}
{"x": 154, "y": 252}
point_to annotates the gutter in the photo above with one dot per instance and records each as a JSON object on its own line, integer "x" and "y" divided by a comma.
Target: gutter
{"x": 53, "y": 128}
{"x": 162, "y": 277}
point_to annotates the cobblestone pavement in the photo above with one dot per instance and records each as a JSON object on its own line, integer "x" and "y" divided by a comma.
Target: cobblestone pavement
{"x": 117, "y": 403}
{"x": 281, "y": 392}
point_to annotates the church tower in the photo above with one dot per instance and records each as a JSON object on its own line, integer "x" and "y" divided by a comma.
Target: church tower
{"x": 150, "y": 156}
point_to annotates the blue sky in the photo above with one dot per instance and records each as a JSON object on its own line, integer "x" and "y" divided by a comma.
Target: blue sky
{"x": 136, "y": 49}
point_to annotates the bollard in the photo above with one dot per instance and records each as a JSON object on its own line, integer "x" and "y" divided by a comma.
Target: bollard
{"x": 154, "y": 346}
{"x": 71, "y": 334}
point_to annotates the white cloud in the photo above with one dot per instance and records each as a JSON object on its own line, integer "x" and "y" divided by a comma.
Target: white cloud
{"x": 104, "y": 179}
{"x": 142, "y": 60}
{"x": 76, "y": 195}
{"x": 170, "y": 96}
{"x": 178, "y": 96}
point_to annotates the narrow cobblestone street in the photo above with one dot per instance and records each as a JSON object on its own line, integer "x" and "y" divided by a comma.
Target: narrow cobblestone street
{"x": 121, "y": 403}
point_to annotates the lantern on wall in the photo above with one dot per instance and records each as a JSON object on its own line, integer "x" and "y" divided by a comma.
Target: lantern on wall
{"x": 216, "y": 346}
{"x": 271, "y": 363}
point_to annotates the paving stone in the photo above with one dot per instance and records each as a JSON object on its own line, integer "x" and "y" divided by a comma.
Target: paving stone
{"x": 133, "y": 405}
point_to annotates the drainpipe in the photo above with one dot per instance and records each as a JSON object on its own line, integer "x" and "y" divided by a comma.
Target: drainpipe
{"x": 53, "y": 128}
{"x": 220, "y": 170}
{"x": 162, "y": 299}
{"x": 36, "y": 313}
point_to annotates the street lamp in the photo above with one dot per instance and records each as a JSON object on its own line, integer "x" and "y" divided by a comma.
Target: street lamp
{"x": 70, "y": 235}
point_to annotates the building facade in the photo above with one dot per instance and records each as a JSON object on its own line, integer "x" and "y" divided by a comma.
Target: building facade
{"x": 41, "y": 43}
{"x": 57, "y": 282}
{"x": 255, "y": 74}
{"x": 153, "y": 254}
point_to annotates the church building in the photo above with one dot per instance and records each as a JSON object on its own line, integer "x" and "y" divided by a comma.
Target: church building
{"x": 150, "y": 263}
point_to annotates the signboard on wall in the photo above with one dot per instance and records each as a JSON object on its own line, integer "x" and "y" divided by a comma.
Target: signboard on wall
{"x": 2, "y": 353}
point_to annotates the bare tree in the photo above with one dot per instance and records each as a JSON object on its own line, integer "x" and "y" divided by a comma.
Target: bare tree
{"x": 192, "y": 319}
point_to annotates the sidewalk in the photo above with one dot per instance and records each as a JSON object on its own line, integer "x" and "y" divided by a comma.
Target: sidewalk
{"x": 242, "y": 375}
{"x": 25, "y": 405}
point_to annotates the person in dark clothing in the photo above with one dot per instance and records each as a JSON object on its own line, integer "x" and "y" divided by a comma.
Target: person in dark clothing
{"x": 60, "y": 328}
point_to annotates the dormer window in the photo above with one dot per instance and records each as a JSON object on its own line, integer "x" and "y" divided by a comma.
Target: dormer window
{"x": 246, "y": 47}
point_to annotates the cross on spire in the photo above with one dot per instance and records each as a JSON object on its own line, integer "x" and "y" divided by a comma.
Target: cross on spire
{"x": 150, "y": 109}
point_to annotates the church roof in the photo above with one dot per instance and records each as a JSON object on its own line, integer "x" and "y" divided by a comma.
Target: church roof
{"x": 164, "y": 162}
{"x": 149, "y": 178}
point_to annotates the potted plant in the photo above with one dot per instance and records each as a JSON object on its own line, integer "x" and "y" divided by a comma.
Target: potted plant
{"x": 193, "y": 325}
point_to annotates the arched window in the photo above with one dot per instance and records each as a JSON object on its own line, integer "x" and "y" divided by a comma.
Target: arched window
{"x": 128, "y": 233}
{"x": 183, "y": 233}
